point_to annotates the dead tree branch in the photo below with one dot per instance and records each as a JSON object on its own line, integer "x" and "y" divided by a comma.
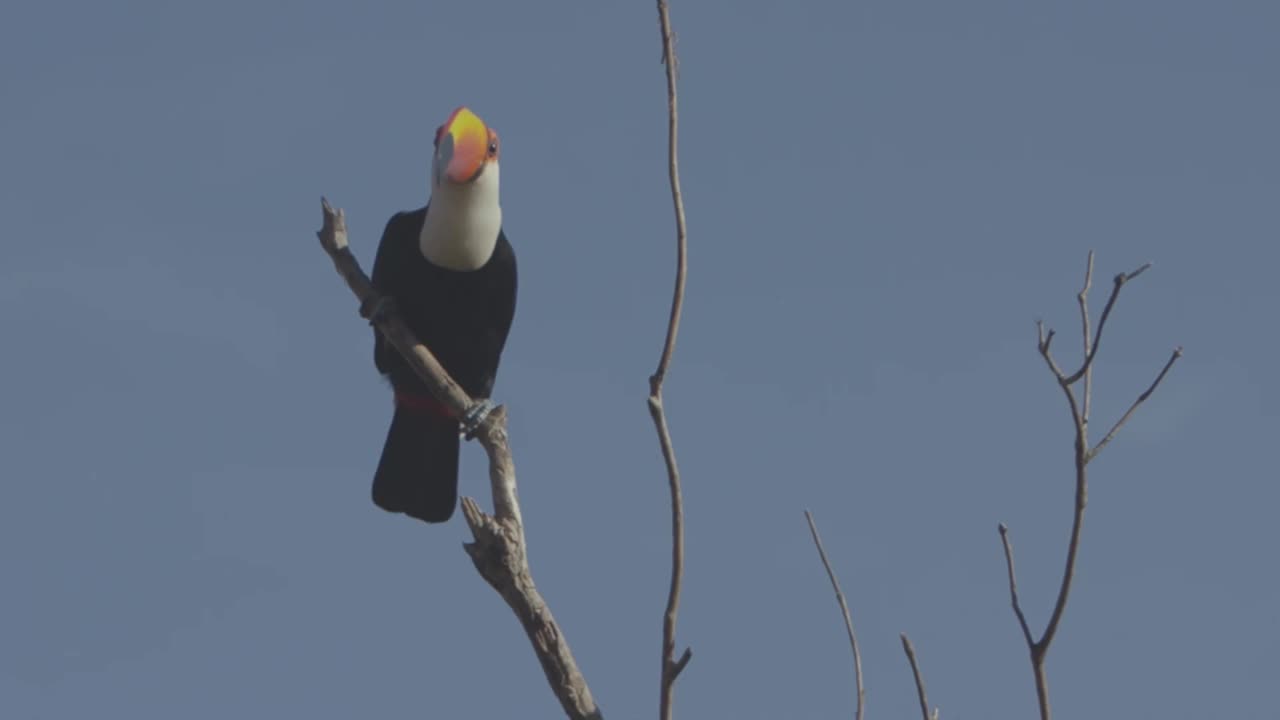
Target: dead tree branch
{"x": 844, "y": 609}
{"x": 1013, "y": 586}
{"x": 910, "y": 650}
{"x": 498, "y": 550}
{"x": 1177, "y": 353}
{"x": 1080, "y": 408}
{"x": 671, "y": 667}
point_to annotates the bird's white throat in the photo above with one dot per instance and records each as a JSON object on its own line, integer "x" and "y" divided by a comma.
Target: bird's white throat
{"x": 463, "y": 221}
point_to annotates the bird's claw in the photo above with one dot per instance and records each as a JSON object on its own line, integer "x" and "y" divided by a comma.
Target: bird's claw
{"x": 475, "y": 416}
{"x": 380, "y": 308}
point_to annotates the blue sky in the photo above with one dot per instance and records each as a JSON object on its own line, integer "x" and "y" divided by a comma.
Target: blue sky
{"x": 883, "y": 197}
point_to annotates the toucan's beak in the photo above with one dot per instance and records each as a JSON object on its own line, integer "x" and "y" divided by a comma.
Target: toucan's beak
{"x": 462, "y": 147}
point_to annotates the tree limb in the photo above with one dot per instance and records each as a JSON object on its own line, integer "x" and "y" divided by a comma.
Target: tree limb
{"x": 498, "y": 550}
{"x": 671, "y": 668}
{"x": 1080, "y": 409}
{"x": 844, "y": 609}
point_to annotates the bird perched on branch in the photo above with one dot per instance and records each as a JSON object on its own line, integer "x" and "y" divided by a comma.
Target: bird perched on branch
{"x": 450, "y": 273}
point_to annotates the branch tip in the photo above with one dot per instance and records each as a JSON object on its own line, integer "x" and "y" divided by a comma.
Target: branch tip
{"x": 1173, "y": 358}
{"x": 915, "y": 672}
{"x": 1013, "y": 587}
{"x": 844, "y": 610}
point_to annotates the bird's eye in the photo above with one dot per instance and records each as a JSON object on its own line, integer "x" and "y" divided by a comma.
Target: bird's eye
{"x": 493, "y": 148}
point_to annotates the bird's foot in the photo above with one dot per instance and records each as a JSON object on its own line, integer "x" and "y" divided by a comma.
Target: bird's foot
{"x": 378, "y": 310}
{"x": 475, "y": 416}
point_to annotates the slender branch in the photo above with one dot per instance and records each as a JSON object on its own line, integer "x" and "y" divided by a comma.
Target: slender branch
{"x": 1079, "y": 422}
{"x": 1013, "y": 587}
{"x": 671, "y": 668}
{"x": 915, "y": 671}
{"x": 1173, "y": 358}
{"x": 844, "y": 609}
{"x": 1033, "y": 648}
{"x": 1082, "y": 453}
{"x": 672, "y": 64}
{"x": 1080, "y": 409}
{"x": 1073, "y": 545}
{"x": 1083, "y": 299}
{"x": 498, "y": 551}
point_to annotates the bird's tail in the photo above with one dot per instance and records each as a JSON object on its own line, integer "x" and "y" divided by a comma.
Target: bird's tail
{"x": 418, "y": 472}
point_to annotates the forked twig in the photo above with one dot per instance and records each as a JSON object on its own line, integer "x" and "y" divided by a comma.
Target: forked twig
{"x": 1080, "y": 409}
{"x": 1117, "y": 283}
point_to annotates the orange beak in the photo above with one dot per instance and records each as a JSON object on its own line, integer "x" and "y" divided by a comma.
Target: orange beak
{"x": 462, "y": 146}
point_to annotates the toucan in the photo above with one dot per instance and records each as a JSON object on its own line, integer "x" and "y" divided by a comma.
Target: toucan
{"x": 449, "y": 272}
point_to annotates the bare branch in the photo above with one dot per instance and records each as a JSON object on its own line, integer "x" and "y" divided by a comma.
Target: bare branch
{"x": 333, "y": 238}
{"x": 499, "y": 550}
{"x": 1173, "y": 358}
{"x": 1013, "y": 588}
{"x": 671, "y": 668}
{"x": 915, "y": 671}
{"x": 677, "y": 198}
{"x": 1080, "y": 409}
{"x": 844, "y": 609}
{"x": 1118, "y": 283}
{"x": 1083, "y": 299}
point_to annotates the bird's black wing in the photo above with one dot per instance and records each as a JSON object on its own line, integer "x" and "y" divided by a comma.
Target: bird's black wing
{"x": 388, "y": 268}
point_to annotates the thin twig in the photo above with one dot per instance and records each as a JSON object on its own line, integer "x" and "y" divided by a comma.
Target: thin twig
{"x": 1013, "y": 586}
{"x": 844, "y": 609}
{"x": 915, "y": 671}
{"x": 671, "y": 668}
{"x": 498, "y": 551}
{"x": 1044, "y": 340}
{"x": 1118, "y": 283}
{"x": 1083, "y": 299}
{"x": 1177, "y": 353}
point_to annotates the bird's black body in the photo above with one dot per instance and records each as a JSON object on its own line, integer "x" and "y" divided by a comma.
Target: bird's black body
{"x": 463, "y": 317}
